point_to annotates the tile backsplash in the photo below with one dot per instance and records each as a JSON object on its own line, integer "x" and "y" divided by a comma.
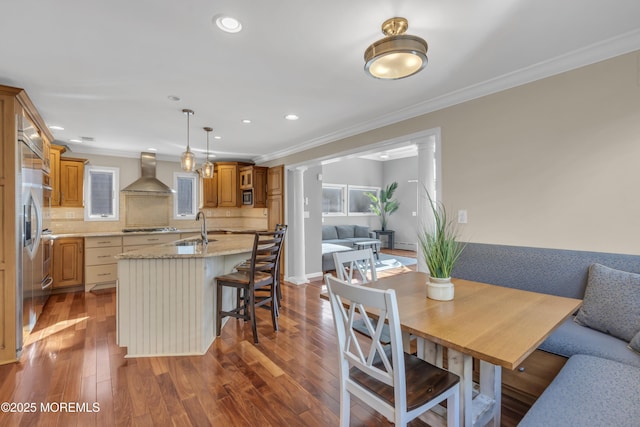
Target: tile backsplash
{"x": 71, "y": 220}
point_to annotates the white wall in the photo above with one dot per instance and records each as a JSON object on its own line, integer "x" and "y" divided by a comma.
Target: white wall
{"x": 403, "y": 222}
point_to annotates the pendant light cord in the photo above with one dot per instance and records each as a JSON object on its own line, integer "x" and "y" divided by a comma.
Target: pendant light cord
{"x": 188, "y": 114}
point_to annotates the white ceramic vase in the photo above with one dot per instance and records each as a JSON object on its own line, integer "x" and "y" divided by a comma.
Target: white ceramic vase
{"x": 440, "y": 289}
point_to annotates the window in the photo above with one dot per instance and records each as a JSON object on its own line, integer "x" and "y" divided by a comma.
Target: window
{"x": 184, "y": 199}
{"x": 102, "y": 194}
{"x": 359, "y": 202}
{"x": 333, "y": 200}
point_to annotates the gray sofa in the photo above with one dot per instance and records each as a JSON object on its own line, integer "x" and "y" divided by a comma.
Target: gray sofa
{"x": 338, "y": 238}
{"x": 600, "y": 382}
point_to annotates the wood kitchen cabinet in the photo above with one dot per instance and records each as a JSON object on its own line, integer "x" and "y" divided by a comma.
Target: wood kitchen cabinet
{"x": 54, "y": 172}
{"x": 275, "y": 196}
{"x": 229, "y": 191}
{"x": 210, "y": 190}
{"x": 275, "y": 205}
{"x": 100, "y": 264}
{"x": 71, "y": 182}
{"x": 140, "y": 241}
{"x": 14, "y": 102}
{"x": 67, "y": 177}
{"x": 68, "y": 262}
{"x": 260, "y": 187}
{"x": 254, "y": 179}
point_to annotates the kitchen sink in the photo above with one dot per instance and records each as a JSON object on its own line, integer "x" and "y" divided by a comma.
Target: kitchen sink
{"x": 191, "y": 242}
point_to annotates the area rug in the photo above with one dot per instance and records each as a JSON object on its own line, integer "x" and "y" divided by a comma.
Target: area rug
{"x": 387, "y": 262}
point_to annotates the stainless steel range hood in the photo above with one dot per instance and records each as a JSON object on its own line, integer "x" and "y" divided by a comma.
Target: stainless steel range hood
{"x": 148, "y": 183}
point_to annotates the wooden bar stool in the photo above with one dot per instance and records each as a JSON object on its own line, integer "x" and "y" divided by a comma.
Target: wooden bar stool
{"x": 258, "y": 273}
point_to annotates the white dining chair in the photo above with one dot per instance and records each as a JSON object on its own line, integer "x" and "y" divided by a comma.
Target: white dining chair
{"x": 396, "y": 384}
{"x": 351, "y": 264}
{"x": 362, "y": 262}
{"x": 359, "y": 261}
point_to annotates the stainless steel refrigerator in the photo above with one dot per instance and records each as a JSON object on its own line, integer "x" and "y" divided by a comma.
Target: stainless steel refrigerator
{"x": 33, "y": 282}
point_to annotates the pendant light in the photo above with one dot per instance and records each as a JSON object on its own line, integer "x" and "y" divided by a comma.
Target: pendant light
{"x": 207, "y": 167}
{"x": 188, "y": 159}
{"x": 398, "y": 55}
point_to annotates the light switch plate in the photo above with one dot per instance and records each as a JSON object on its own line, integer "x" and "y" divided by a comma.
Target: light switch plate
{"x": 462, "y": 216}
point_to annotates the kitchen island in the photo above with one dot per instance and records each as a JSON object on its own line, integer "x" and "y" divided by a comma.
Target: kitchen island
{"x": 166, "y": 294}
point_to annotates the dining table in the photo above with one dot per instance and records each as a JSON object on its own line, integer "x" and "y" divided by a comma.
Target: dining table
{"x": 496, "y": 325}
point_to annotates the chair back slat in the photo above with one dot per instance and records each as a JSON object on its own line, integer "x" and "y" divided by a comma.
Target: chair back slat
{"x": 268, "y": 249}
{"x": 361, "y": 261}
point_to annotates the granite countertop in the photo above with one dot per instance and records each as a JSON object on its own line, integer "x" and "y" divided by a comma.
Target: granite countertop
{"x": 54, "y": 236}
{"x": 219, "y": 244}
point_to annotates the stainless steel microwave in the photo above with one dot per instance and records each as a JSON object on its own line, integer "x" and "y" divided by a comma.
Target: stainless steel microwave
{"x": 247, "y": 197}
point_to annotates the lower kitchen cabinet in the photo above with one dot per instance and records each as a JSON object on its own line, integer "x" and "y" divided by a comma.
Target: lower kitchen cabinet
{"x": 101, "y": 266}
{"x": 68, "y": 262}
{"x": 139, "y": 241}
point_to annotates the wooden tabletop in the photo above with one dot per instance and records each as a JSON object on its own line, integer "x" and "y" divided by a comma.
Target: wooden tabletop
{"x": 493, "y": 323}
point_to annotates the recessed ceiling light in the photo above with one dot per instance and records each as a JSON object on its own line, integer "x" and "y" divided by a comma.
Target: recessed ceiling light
{"x": 173, "y": 98}
{"x": 75, "y": 140}
{"x": 228, "y": 24}
{"x": 384, "y": 156}
{"x": 246, "y": 121}
{"x": 56, "y": 127}
{"x": 217, "y": 137}
{"x": 152, "y": 149}
{"x": 291, "y": 117}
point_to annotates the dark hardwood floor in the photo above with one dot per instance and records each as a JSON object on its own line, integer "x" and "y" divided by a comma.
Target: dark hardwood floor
{"x": 288, "y": 379}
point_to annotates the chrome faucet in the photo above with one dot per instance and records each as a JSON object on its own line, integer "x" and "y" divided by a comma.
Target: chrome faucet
{"x": 203, "y": 228}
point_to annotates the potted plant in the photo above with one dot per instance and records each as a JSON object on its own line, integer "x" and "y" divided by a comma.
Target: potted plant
{"x": 441, "y": 249}
{"x": 384, "y": 205}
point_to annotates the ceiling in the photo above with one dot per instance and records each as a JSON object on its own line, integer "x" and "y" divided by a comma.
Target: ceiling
{"x": 106, "y": 69}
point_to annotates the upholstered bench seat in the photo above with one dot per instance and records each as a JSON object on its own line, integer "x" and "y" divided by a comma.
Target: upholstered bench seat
{"x": 589, "y": 391}
{"x": 571, "y": 338}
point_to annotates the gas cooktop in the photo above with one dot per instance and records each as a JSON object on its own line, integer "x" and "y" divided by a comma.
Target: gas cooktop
{"x": 148, "y": 230}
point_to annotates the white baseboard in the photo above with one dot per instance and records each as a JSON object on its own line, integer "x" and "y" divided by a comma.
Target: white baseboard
{"x": 297, "y": 280}
{"x": 314, "y": 275}
{"x": 405, "y": 246}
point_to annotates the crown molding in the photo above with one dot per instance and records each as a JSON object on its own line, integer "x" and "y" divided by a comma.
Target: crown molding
{"x": 588, "y": 55}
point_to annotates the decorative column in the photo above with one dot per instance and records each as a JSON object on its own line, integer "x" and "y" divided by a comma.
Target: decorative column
{"x": 297, "y": 251}
{"x": 427, "y": 178}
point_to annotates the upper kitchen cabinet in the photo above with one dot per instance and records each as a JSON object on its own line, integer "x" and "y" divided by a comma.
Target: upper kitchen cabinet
{"x": 54, "y": 173}
{"x": 210, "y": 190}
{"x": 229, "y": 192}
{"x": 275, "y": 181}
{"x": 253, "y": 179}
{"x": 67, "y": 176}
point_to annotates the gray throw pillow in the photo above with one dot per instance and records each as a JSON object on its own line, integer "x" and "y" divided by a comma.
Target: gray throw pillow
{"x": 345, "y": 231}
{"x": 611, "y": 302}
{"x": 361, "y": 231}
{"x": 634, "y": 344}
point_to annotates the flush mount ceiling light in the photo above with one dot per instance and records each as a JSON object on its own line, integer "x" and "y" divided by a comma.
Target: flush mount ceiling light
{"x": 188, "y": 159}
{"x": 227, "y": 24}
{"x": 207, "y": 167}
{"x": 398, "y": 55}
